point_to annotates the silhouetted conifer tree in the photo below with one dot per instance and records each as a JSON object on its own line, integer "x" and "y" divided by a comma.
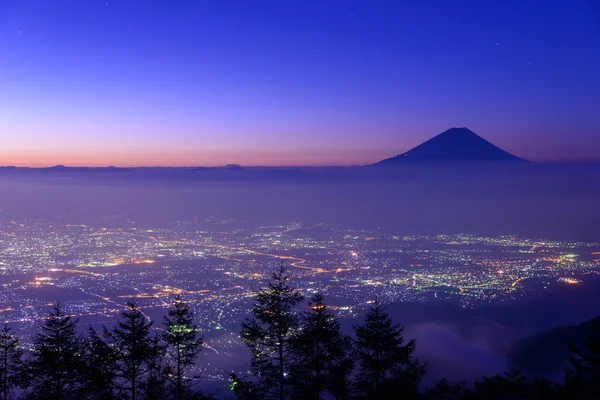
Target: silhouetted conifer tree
{"x": 513, "y": 385}
{"x": 321, "y": 355}
{"x": 446, "y": 390}
{"x": 11, "y": 363}
{"x": 184, "y": 344}
{"x": 582, "y": 379}
{"x": 100, "y": 368}
{"x": 386, "y": 367}
{"x": 135, "y": 349}
{"x": 56, "y": 365}
{"x": 268, "y": 335}
{"x": 154, "y": 387}
{"x": 243, "y": 388}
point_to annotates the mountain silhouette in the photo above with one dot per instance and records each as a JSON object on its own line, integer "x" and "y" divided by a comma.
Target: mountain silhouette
{"x": 455, "y": 144}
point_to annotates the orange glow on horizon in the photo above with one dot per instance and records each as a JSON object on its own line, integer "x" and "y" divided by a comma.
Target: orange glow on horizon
{"x": 104, "y": 156}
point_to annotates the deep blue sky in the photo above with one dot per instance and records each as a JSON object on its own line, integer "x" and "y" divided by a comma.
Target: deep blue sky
{"x": 119, "y": 82}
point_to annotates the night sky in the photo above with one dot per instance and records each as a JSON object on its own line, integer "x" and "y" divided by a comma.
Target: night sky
{"x": 210, "y": 82}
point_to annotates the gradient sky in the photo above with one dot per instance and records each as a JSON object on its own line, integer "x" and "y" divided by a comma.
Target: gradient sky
{"x": 212, "y": 82}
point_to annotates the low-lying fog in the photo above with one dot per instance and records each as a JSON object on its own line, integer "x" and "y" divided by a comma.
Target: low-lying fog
{"x": 548, "y": 201}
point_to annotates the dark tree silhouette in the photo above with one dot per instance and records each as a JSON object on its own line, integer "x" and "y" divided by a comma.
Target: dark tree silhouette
{"x": 446, "y": 390}
{"x": 386, "y": 367}
{"x": 100, "y": 368}
{"x": 321, "y": 355}
{"x": 513, "y": 385}
{"x": 582, "y": 378}
{"x": 11, "y": 363}
{"x": 135, "y": 349}
{"x": 56, "y": 365}
{"x": 184, "y": 344}
{"x": 243, "y": 388}
{"x": 154, "y": 387}
{"x": 268, "y": 335}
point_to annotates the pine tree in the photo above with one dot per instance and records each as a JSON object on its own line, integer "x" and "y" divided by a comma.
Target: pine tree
{"x": 268, "y": 335}
{"x": 321, "y": 355}
{"x": 582, "y": 378}
{"x": 446, "y": 390}
{"x": 386, "y": 367}
{"x": 11, "y": 363}
{"x": 184, "y": 344}
{"x": 55, "y": 370}
{"x": 154, "y": 387}
{"x": 134, "y": 346}
{"x": 100, "y": 368}
{"x": 514, "y": 385}
{"x": 243, "y": 388}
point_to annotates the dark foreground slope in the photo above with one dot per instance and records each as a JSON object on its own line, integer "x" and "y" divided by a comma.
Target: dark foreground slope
{"x": 548, "y": 351}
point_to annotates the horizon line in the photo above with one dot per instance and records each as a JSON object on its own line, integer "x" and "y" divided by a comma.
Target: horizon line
{"x": 261, "y": 166}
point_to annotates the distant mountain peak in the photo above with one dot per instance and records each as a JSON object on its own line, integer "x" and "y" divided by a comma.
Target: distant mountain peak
{"x": 59, "y": 167}
{"x": 455, "y": 144}
{"x": 464, "y": 131}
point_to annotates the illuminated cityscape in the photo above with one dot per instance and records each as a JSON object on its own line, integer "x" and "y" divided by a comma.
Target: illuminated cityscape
{"x": 99, "y": 267}
{"x": 95, "y": 270}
